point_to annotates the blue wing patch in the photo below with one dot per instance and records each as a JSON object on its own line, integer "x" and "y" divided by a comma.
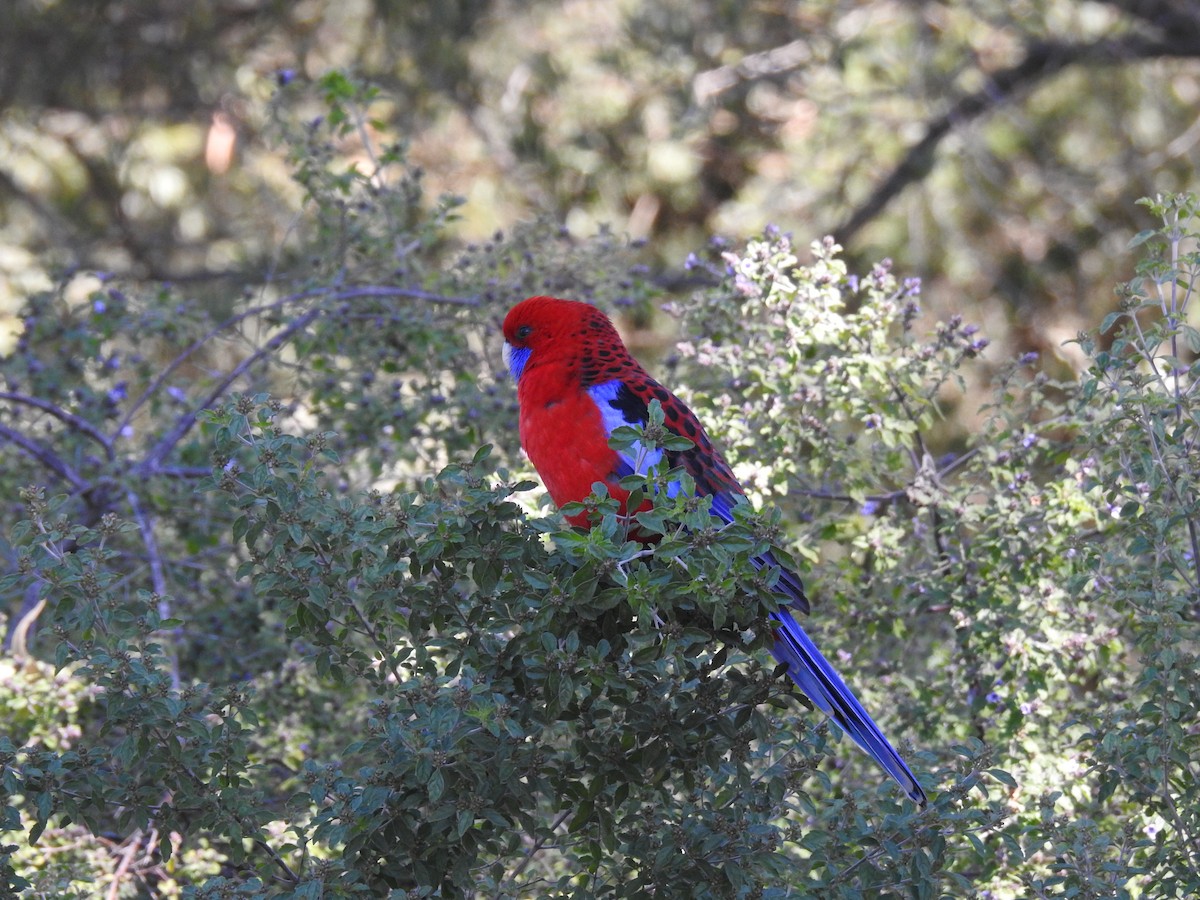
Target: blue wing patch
{"x": 620, "y": 406}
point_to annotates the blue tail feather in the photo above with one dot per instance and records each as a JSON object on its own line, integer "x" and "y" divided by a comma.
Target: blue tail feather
{"x": 789, "y": 583}
{"x": 817, "y": 678}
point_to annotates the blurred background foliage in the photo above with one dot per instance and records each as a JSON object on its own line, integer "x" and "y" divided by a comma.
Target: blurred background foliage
{"x": 994, "y": 147}
{"x": 218, "y": 680}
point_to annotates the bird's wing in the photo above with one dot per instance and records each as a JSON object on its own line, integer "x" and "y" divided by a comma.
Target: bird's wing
{"x": 627, "y": 402}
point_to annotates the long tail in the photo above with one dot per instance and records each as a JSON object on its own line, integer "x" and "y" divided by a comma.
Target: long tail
{"x": 816, "y": 677}
{"x": 789, "y": 583}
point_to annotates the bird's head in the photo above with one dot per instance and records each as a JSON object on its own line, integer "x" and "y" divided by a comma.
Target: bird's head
{"x": 545, "y": 329}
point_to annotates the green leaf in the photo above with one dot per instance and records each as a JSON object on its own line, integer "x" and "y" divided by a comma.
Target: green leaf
{"x": 463, "y": 823}
{"x": 1003, "y": 777}
{"x": 1136, "y": 241}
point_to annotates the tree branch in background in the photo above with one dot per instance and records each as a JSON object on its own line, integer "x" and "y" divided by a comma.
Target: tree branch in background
{"x": 67, "y": 418}
{"x": 1042, "y": 61}
{"x": 155, "y": 457}
{"x": 1170, "y": 17}
{"x": 225, "y": 326}
{"x": 776, "y": 61}
{"x": 47, "y": 457}
{"x": 185, "y": 422}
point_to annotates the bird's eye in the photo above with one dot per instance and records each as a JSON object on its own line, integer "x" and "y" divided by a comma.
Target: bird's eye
{"x": 524, "y": 331}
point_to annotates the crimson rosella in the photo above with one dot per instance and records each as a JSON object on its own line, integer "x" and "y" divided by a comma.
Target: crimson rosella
{"x": 576, "y": 383}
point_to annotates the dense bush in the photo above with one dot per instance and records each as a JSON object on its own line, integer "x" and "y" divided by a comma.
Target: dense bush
{"x": 282, "y": 624}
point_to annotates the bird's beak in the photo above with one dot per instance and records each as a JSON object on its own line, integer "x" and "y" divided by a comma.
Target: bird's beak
{"x": 507, "y": 353}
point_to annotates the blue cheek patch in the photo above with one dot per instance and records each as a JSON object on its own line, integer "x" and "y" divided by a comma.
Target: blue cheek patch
{"x": 516, "y": 357}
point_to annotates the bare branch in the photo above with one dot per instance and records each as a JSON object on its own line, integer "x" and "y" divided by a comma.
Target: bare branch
{"x": 68, "y": 418}
{"x": 155, "y": 457}
{"x": 708, "y": 84}
{"x": 533, "y": 851}
{"x": 127, "y": 856}
{"x": 288, "y": 874}
{"x": 185, "y": 423}
{"x": 45, "y": 456}
{"x": 179, "y": 360}
{"x": 188, "y": 472}
{"x": 16, "y": 641}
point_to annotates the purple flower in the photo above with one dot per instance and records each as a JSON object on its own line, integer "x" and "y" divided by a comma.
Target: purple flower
{"x": 99, "y": 306}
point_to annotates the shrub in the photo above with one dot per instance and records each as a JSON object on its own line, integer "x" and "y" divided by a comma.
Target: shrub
{"x": 289, "y": 620}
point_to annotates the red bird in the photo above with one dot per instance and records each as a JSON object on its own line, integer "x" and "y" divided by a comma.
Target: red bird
{"x": 576, "y": 383}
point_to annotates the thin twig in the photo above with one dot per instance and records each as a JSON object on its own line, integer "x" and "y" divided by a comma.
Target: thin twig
{"x": 157, "y": 575}
{"x": 376, "y": 175}
{"x": 127, "y": 856}
{"x": 1177, "y": 313}
{"x": 1147, "y": 353}
{"x": 185, "y": 472}
{"x": 891, "y": 496}
{"x": 351, "y": 293}
{"x": 258, "y": 842}
{"x": 881, "y": 499}
{"x": 204, "y": 339}
{"x": 529, "y": 855}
